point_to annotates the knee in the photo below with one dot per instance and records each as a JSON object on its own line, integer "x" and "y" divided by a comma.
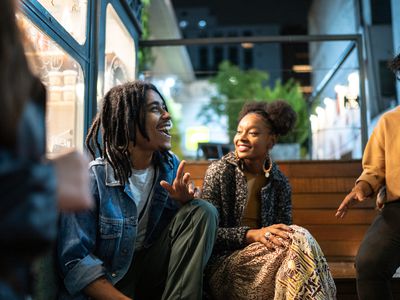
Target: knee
{"x": 369, "y": 263}
{"x": 205, "y": 211}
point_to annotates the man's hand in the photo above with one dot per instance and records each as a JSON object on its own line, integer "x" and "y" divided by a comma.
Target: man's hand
{"x": 102, "y": 289}
{"x": 359, "y": 193}
{"x": 72, "y": 182}
{"x": 182, "y": 189}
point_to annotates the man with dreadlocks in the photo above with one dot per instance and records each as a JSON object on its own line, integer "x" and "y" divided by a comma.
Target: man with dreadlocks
{"x": 147, "y": 237}
{"x": 379, "y": 254}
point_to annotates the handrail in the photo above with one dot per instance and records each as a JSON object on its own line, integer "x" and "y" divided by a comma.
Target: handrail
{"x": 356, "y": 40}
{"x": 249, "y": 39}
{"x": 324, "y": 82}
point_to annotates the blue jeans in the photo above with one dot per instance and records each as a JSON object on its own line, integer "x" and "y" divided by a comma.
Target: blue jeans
{"x": 379, "y": 255}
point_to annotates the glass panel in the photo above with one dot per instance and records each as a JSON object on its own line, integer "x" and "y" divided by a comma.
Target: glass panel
{"x": 64, "y": 80}
{"x": 335, "y": 116}
{"x": 71, "y": 14}
{"x": 206, "y": 86}
{"x": 119, "y": 51}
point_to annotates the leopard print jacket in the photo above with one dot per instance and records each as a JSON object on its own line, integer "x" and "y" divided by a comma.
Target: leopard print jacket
{"x": 225, "y": 187}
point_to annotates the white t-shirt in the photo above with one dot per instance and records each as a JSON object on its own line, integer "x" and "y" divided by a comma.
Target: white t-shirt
{"x": 141, "y": 184}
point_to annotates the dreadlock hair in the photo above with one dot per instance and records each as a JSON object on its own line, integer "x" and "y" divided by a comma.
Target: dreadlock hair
{"x": 123, "y": 111}
{"x": 278, "y": 115}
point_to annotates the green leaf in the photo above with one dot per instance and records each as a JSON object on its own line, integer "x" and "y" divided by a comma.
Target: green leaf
{"x": 236, "y": 87}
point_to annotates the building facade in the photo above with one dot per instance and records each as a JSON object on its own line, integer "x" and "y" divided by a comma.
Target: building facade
{"x": 80, "y": 49}
{"x": 336, "y": 122}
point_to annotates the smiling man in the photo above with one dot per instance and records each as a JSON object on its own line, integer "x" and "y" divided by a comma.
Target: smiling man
{"x": 147, "y": 236}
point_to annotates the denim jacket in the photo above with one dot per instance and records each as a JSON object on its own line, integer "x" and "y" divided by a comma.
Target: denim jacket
{"x": 101, "y": 242}
{"x": 28, "y": 211}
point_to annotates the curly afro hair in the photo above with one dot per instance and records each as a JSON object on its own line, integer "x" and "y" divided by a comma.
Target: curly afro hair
{"x": 278, "y": 115}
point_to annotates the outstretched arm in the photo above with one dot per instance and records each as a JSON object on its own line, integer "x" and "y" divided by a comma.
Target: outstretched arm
{"x": 359, "y": 193}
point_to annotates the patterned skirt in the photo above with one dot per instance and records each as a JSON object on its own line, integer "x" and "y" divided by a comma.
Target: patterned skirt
{"x": 297, "y": 271}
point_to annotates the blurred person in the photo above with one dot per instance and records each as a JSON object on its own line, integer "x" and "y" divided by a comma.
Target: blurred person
{"x": 147, "y": 236}
{"x": 33, "y": 187}
{"x": 379, "y": 254}
{"x": 258, "y": 253}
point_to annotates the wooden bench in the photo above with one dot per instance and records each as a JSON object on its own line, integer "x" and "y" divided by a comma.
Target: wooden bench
{"x": 318, "y": 187}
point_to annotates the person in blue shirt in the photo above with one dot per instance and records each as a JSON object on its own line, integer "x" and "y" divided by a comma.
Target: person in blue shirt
{"x": 33, "y": 187}
{"x": 148, "y": 236}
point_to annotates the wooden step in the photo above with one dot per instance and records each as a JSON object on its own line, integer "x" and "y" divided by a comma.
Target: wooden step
{"x": 322, "y": 185}
{"x": 337, "y": 232}
{"x": 325, "y": 168}
{"x": 322, "y": 216}
{"x": 324, "y": 200}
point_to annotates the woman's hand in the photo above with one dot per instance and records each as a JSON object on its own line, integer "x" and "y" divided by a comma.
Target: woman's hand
{"x": 270, "y": 236}
{"x": 182, "y": 189}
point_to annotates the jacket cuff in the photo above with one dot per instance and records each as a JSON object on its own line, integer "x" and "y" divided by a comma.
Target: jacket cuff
{"x": 83, "y": 273}
{"x": 243, "y": 231}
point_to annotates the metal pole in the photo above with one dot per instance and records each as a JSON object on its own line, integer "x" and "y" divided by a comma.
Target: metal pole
{"x": 332, "y": 72}
{"x": 249, "y": 39}
{"x": 363, "y": 100}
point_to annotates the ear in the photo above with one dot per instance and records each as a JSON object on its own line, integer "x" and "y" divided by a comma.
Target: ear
{"x": 273, "y": 141}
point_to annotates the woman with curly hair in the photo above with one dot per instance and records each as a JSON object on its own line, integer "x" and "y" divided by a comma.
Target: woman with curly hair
{"x": 258, "y": 254}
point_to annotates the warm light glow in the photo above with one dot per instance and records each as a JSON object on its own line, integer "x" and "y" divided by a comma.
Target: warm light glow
{"x": 170, "y": 82}
{"x": 340, "y": 89}
{"x": 314, "y": 122}
{"x": 195, "y": 135}
{"x": 306, "y": 89}
{"x": 320, "y": 111}
{"x": 354, "y": 83}
{"x": 247, "y": 45}
{"x": 302, "y": 68}
{"x": 328, "y": 101}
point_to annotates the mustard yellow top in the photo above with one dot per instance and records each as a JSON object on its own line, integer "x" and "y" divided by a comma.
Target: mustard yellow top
{"x": 381, "y": 158}
{"x": 252, "y": 213}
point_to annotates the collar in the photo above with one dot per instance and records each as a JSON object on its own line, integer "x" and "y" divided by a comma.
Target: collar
{"x": 162, "y": 160}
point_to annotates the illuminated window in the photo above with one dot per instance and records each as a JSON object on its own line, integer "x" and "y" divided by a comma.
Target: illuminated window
{"x": 120, "y": 61}
{"x": 63, "y": 77}
{"x": 71, "y": 14}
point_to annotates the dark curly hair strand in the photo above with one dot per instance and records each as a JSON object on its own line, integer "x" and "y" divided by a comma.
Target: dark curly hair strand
{"x": 279, "y": 116}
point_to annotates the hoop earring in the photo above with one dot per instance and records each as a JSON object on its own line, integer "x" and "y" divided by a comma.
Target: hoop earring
{"x": 267, "y": 171}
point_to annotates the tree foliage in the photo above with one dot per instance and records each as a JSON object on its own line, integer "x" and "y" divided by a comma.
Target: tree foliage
{"x": 145, "y": 57}
{"x": 236, "y": 87}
